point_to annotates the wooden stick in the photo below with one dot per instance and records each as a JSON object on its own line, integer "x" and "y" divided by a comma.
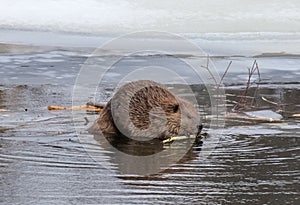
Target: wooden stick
{"x": 269, "y": 101}
{"x": 183, "y": 137}
{"x": 262, "y": 119}
{"x": 81, "y": 107}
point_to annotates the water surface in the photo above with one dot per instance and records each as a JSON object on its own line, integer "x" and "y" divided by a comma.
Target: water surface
{"x": 42, "y": 160}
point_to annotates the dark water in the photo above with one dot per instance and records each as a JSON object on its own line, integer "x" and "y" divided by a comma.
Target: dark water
{"x": 43, "y": 161}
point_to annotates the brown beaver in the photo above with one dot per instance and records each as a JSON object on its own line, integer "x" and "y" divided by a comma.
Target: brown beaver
{"x": 144, "y": 110}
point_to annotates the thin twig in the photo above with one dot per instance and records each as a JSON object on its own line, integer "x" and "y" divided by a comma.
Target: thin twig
{"x": 224, "y": 74}
{"x": 257, "y": 87}
{"x": 269, "y": 101}
{"x": 207, "y": 68}
{"x": 243, "y": 101}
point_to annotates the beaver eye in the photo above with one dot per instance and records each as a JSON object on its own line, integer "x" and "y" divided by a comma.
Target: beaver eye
{"x": 175, "y": 108}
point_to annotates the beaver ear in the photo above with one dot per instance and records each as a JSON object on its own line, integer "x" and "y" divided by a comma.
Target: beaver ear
{"x": 175, "y": 108}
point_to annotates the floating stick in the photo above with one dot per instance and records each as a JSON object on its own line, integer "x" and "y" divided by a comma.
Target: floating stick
{"x": 81, "y": 107}
{"x": 183, "y": 137}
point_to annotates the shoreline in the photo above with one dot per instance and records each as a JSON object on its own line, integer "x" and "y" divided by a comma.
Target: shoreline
{"x": 214, "y": 44}
{"x": 65, "y": 53}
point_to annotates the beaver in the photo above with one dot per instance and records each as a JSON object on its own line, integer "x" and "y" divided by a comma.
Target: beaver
{"x": 144, "y": 110}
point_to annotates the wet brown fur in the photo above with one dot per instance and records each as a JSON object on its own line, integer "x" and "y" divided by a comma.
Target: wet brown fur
{"x": 146, "y": 109}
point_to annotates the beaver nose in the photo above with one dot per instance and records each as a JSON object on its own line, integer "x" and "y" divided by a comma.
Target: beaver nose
{"x": 199, "y": 129}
